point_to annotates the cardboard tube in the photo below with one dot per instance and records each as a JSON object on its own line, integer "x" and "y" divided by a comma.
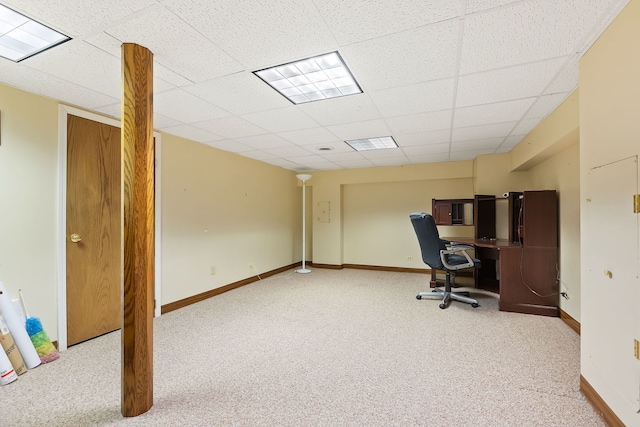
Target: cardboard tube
{"x": 10, "y": 348}
{"x": 7, "y": 373}
{"x": 18, "y": 330}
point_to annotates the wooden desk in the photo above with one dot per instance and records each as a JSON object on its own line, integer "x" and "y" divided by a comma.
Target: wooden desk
{"x": 521, "y": 273}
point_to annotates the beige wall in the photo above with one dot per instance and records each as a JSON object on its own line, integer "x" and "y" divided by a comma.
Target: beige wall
{"x": 28, "y": 201}
{"x": 251, "y": 211}
{"x": 225, "y": 211}
{"x": 377, "y": 230}
{"x": 610, "y": 131}
{"x": 328, "y": 186}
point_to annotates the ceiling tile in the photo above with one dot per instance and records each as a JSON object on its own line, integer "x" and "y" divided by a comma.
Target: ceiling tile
{"x": 290, "y": 152}
{"x": 426, "y": 149}
{"x": 480, "y": 144}
{"x": 479, "y": 5}
{"x": 258, "y": 155}
{"x": 390, "y": 161}
{"x": 176, "y": 45}
{"x": 357, "y": 20}
{"x": 492, "y": 113}
{"x": 526, "y": 32}
{"x": 114, "y": 110}
{"x": 417, "y": 98}
{"x": 512, "y": 141}
{"x": 356, "y": 130}
{"x": 191, "y": 132}
{"x": 468, "y": 155}
{"x": 382, "y": 153}
{"x": 544, "y": 105}
{"x": 424, "y": 122}
{"x": 281, "y": 119}
{"x": 240, "y": 93}
{"x": 429, "y": 158}
{"x": 505, "y": 84}
{"x": 350, "y": 155}
{"x": 333, "y": 111}
{"x": 482, "y": 132}
{"x": 567, "y": 78}
{"x": 354, "y": 164}
{"x": 423, "y": 139}
{"x": 230, "y": 145}
{"x": 79, "y": 62}
{"x": 318, "y": 135}
{"x": 264, "y": 142}
{"x": 186, "y": 107}
{"x": 414, "y": 56}
{"x": 78, "y": 18}
{"x": 230, "y": 127}
{"x": 41, "y": 83}
{"x": 259, "y": 34}
{"x": 525, "y": 126}
{"x": 160, "y": 121}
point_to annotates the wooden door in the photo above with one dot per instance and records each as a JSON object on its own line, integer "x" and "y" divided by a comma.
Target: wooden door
{"x": 93, "y": 216}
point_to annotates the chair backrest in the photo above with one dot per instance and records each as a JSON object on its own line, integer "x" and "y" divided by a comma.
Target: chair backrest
{"x": 428, "y": 238}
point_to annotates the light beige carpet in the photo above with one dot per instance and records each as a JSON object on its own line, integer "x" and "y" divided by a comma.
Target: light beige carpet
{"x": 329, "y": 348}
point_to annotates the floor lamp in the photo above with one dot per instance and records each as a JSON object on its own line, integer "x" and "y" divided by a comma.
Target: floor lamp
{"x": 304, "y": 178}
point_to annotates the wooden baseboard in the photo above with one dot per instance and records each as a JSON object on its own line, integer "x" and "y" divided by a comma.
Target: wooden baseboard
{"x": 166, "y": 308}
{"x": 391, "y": 269}
{"x": 329, "y": 266}
{"x": 609, "y": 417}
{"x": 573, "y": 323}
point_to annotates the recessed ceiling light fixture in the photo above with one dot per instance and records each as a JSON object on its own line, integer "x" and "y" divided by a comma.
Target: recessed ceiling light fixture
{"x": 372, "y": 143}
{"x": 320, "y": 77}
{"x": 22, "y": 37}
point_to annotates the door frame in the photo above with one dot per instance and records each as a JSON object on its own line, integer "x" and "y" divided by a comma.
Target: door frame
{"x": 63, "y": 112}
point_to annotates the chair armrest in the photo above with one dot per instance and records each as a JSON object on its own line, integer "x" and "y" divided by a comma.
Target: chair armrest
{"x": 461, "y": 248}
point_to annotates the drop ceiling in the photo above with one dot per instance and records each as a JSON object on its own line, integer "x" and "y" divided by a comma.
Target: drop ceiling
{"x": 449, "y": 80}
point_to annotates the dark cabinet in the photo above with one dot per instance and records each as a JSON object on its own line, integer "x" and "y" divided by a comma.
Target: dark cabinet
{"x": 453, "y": 211}
{"x": 530, "y": 265}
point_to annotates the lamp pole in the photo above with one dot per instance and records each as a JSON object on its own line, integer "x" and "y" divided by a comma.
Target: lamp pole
{"x": 304, "y": 178}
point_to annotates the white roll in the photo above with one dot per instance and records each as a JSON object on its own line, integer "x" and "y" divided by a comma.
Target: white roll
{"x": 18, "y": 330}
{"x": 7, "y": 374}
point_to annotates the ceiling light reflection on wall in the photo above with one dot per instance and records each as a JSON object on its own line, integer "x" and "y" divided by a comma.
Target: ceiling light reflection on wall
{"x": 372, "y": 143}
{"x": 320, "y": 77}
{"x": 21, "y": 37}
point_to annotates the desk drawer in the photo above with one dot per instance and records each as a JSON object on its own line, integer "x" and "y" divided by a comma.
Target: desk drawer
{"x": 487, "y": 253}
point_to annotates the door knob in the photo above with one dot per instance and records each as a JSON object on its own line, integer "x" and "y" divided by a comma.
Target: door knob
{"x": 75, "y": 238}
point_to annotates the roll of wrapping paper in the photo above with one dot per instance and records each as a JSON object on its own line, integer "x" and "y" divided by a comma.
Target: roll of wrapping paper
{"x": 10, "y": 348}
{"x": 7, "y": 373}
{"x": 18, "y": 330}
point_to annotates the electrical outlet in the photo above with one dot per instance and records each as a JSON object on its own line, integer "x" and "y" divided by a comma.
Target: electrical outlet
{"x": 409, "y": 258}
{"x": 212, "y": 270}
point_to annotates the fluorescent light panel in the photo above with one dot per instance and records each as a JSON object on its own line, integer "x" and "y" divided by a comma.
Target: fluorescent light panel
{"x": 372, "y": 143}
{"x": 22, "y": 37}
{"x": 320, "y": 77}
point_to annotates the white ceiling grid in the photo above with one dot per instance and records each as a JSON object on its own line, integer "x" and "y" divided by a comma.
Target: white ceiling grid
{"x": 448, "y": 80}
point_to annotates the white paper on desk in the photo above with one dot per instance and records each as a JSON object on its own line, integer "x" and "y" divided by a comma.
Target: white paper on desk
{"x": 18, "y": 330}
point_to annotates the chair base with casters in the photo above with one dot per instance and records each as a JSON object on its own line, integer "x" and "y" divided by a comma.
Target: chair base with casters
{"x": 447, "y": 295}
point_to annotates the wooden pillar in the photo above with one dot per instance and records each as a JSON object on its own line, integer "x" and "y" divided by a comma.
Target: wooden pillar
{"x": 138, "y": 229}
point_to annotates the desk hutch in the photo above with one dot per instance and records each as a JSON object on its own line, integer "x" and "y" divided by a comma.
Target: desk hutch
{"x": 522, "y": 268}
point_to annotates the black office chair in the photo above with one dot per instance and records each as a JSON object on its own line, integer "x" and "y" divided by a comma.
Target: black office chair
{"x": 437, "y": 255}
